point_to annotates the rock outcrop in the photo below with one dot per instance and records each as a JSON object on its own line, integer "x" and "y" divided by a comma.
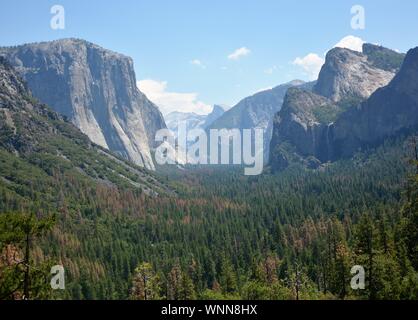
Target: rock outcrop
{"x": 96, "y": 89}
{"x": 340, "y": 117}
{"x": 350, "y": 74}
{"x": 383, "y": 58}
{"x": 301, "y": 129}
{"x": 389, "y": 111}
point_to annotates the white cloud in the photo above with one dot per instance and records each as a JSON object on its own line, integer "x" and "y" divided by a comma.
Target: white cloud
{"x": 351, "y": 42}
{"x": 168, "y": 102}
{"x": 239, "y": 53}
{"x": 197, "y": 62}
{"x": 311, "y": 64}
{"x": 270, "y": 70}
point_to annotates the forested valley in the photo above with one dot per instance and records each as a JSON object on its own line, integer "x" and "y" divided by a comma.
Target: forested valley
{"x": 219, "y": 235}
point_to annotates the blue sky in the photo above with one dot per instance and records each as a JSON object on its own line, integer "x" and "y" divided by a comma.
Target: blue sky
{"x": 184, "y": 49}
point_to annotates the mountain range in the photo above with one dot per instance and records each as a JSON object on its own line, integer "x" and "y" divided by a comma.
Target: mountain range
{"x": 257, "y": 111}
{"x": 359, "y": 99}
{"x": 75, "y": 190}
{"x": 193, "y": 120}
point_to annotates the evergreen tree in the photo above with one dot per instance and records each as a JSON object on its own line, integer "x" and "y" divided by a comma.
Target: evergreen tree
{"x": 20, "y": 276}
{"x": 146, "y": 284}
{"x": 175, "y": 283}
{"x": 228, "y": 278}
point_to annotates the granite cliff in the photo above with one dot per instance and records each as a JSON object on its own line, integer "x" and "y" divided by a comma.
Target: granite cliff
{"x": 96, "y": 89}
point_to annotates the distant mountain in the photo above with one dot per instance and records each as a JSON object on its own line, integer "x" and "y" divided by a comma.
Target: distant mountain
{"x": 313, "y": 129}
{"x": 217, "y": 112}
{"x": 193, "y": 120}
{"x": 258, "y": 111}
{"x": 37, "y": 144}
{"x": 96, "y": 89}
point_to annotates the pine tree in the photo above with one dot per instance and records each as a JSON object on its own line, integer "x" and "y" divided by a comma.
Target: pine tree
{"x": 343, "y": 268}
{"x": 146, "y": 284}
{"x": 187, "y": 290}
{"x": 20, "y": 278}
{"x": 175, "y": 283}
{"x": 366, "y": 251}
{"x": 228, "y": 278}
{"x": 411, "y": 211}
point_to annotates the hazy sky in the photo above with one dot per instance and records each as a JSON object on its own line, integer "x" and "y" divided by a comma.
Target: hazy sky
{"x": 191, "y": 54}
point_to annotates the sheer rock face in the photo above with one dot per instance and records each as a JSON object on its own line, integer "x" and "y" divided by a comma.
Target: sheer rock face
{"x": 299, "y": 132}
{"x": 350, "y": 74}
{"x": 389, "y": 111}
{"x": 96, "y": 89}
{"x": 41, "y": 139}
{"x": 313, "y": 129}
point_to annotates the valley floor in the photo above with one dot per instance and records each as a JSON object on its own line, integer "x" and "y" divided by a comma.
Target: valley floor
{"x": 296, "y": 234}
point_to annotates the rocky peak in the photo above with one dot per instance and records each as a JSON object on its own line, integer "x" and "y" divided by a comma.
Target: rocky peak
{"x": 349, "y": 74}
{"x": 303, "y": 104}
{"x": 406, "y": 79}
{"x": 218, "y": 109}
{"x": 383, "y": 58}
{"x": 216, "y": 113}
